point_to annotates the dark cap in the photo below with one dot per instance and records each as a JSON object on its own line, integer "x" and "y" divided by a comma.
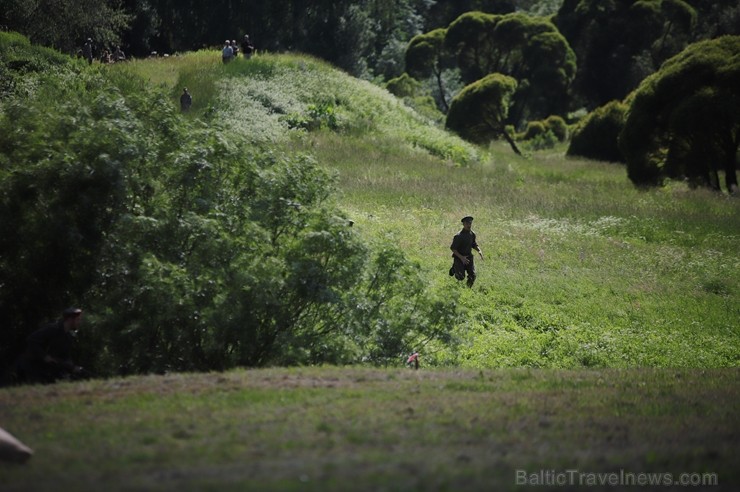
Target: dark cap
{"x": 71, "y": 312}
{"x": 467, "y": 218}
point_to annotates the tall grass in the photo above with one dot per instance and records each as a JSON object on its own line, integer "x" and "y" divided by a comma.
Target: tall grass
{"x": 270, "y": 97}
{"x": 581, "y": 268}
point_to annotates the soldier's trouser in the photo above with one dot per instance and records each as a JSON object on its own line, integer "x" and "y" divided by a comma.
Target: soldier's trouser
{"x": 461, "y": 269}
{"x": 36, "y": 371}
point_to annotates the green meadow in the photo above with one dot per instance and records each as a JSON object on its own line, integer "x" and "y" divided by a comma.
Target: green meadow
{"x": 581, "y": 268}
{"x": 601, "y": 336}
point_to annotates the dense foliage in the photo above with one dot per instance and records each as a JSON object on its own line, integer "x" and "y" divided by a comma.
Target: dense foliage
{"x": 65, "y": 24}
{"x": 529, "y": 49}
{"x": 191, "y": 250}
{"x": 19, "y": 58}
{"x": 427, "y": 56}
{"x": 684, "y": 121}
{"x": 620, "y": 43}
{"x": 479, "y": 112}
{"x": 596, "y": 135}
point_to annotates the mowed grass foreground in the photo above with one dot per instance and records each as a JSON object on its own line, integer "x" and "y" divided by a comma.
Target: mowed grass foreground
{"x": 339, "y": 429}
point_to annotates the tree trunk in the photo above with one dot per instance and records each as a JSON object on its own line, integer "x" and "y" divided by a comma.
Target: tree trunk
{"x": 511, "y": 141}
{"x": 441, "y": 88}
{"x": 731, "y": 174}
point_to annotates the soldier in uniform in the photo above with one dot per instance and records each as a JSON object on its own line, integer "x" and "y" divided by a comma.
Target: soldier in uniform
{"x": 462, "y": 248}
{"x": 186, "y": 100}
{"x": 247, "y": 47}
{"x": 87, "y": 51}
{"x": 48, "y": 354}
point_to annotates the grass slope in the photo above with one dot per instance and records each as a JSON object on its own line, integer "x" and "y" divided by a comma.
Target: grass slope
{"x": 331, "y": 429}
{"x": 582, "y": 269}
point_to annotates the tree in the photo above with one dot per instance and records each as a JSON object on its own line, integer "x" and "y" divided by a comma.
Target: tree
{"x": 427, "y": 56}
{"x": 618, "y": 43}
{"x": 529, "y": 49}
{"x": 143, "y": 29}
{"x": 596, "y": 136}
{"x": 443, "y": 12}
{"x": 65, "y": 24}
{"x": 684, "y": 120}
{"x": 716, "y": 18}
{"x": 478, "y": 113}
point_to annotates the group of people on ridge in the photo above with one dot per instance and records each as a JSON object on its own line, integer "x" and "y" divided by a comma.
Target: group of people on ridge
{"x": 231, "y": 49}
{"x": 106, "y": 56}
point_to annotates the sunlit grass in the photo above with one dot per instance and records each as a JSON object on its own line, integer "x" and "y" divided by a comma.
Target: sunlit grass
{"x": 581, "y": 268}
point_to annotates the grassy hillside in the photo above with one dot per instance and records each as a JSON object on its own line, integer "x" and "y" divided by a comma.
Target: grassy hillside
{"x": 581, "y": 268}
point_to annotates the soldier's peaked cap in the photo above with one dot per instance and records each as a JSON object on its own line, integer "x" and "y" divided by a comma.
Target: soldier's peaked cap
{"x": 72, "y": 311}
{"x": 467, "y": 218}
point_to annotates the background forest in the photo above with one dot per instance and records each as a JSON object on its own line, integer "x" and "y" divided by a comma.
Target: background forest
{"x": 617, "y": 43}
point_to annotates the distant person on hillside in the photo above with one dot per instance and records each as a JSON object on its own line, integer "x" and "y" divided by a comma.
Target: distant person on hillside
{"x": 48, "y": 351}
{"x": 235, "y": 48}
{"x": 247, "y": 47}
{"x": 227, "y": 53}
{"x": 462, "y": 248}
{"x": 186, "y": 100}
{"x": 118, "y": 55}
{"x": 87, "y": 51}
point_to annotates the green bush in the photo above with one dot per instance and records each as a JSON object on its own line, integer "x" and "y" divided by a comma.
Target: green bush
{"x": 534, "y": 129}
{"x": 190, "y": 249}
{"x": 547, "y": 132}
{"x": 596, "y": 136}
{"x": 19, "y": 57}
{"x": 558, "y": 126}
{"x": 478, "y": 113}
{"x": 683, "y": 119}
{"x": 546, "y": 140}
{"x": 403, "y": 86}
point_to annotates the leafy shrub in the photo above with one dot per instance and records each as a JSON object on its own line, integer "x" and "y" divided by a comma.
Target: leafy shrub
{"x": 682, "y": 120}
{"x": 18, "y": 58}
{"x": 547, "y": 132}
{"x": 542, "y": 141}
{"x": 317, "y": 116}
{"x": 558, "y": 126}
{"x": 596, "y": 136}
{"x": 191, "y": 249}
{"x": 479, "y": 111}
{"x": 403, "y": 86}
{"x": 534, "y": 129}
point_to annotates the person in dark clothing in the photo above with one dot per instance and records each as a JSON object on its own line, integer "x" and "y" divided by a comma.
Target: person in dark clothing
{"x": 87, "y": 51}
{"x": 247, "y": 47}
{"x": 462, "y": 248}
{"x": 186, "y": 100}
{"x": 119, "y": 55}
{"x": 48, "y": 353}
